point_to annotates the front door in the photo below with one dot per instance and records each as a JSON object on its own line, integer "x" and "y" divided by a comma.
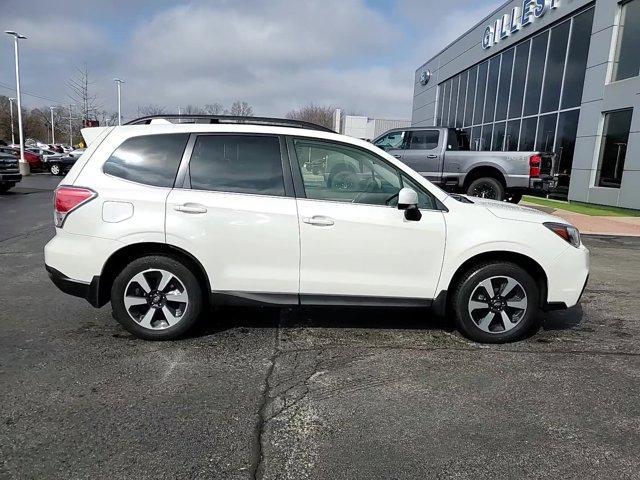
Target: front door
{"x": 354, "y": 242}
{"x": 234, "y": 213}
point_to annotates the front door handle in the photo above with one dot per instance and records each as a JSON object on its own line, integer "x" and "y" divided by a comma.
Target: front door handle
{"x": 432, "y": 156}
{"x": 190, "y": 208}
{"x": 319, "y": 221}
{"x": 398, "y": 156}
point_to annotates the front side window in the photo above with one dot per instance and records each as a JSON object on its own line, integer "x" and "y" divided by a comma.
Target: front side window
{"x": 391, "y": 141}
{"x": 627, "y": 60}
{"x": 423, "y": 139}
{"x": 237, "y": 163}
{"x": 341, "y": 173}
{"x": 148, "y": 159}
{"x": 613, "y": 149}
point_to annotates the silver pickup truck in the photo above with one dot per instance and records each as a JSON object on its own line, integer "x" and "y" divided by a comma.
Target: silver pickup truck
{"x": 442, "y": 155}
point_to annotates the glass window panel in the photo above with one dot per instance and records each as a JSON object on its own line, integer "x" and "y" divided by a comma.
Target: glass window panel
{"x": 577, "y": 59}
{"x": 498, "y": 137}
{"x": 471, "y": 96}
{"x": 480, "y": 91}
{"x": 350, "y": 174}
{"x": 613, "y": 149}
{"x": 555, "y": 67}
{"x": 461, "y": 98}
{"x": 627, "y": 60}
{"x": 536, "y": 71}
{"x": 566, "y": 141}
{"x": 446, "y": 103}
{"x": 475, "y": 138}
{"x": 512, "y": 136}
{"x": 519, "y": 79}
{"x": 546, "y": 132}
{"x": 492, "y": 89}
{"x": 423, "y": 139}
{"x": 528, "y": 134}
{"x": 485, "y": 142}
{"x": 148, "y": 159}
{"x": 237, "y": 163}
{"x": 454, "y": 101}
{"x": 504, "y": 85}
{"x": 440, "y": 101}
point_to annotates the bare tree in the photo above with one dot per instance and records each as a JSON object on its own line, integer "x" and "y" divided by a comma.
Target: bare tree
{"x": 146, "y": 110}
{"x": 80, "y": 92}
{"x": 240, "y": 109}
{"x": 313, "y": 113}
{"x": 214, "y": 108}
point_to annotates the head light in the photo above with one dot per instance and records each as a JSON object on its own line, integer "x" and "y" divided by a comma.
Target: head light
{"x": 566, "y": 232}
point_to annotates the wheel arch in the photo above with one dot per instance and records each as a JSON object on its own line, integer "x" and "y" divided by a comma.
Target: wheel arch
{"x": 122, "y": 257}
{"x": 484, "y": 171}
{"x": 531, "y": 266}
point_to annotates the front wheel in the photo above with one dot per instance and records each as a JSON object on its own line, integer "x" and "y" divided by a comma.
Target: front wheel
{"x": 496, "y": 303}
{"x": 5, "y": 187}
{"x": 156, "y": 298}
{"x": 486, "y": 187}
{"x": 55, "y": 169}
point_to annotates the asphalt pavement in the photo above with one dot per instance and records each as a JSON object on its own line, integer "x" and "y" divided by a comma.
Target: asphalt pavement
{"x": 314, "y": 393}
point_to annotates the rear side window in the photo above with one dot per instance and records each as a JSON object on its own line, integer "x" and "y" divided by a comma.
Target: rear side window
{"x": 424, "y": 139}
{"x": 149, "y": 159}
{"x": 237, "y": 163}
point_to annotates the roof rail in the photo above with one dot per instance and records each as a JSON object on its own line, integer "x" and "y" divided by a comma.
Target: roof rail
{"x": 230, "y": 119}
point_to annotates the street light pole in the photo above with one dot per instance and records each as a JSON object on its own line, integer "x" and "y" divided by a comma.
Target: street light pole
{"x": 119, "y": 83}
{"x": 70, "y": 127}
{"x": 53, "y": 133}
{"x": 13, "y": 136}
{"x": 24, "y": 166}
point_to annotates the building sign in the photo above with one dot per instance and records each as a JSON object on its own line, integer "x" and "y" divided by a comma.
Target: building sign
{"x": 425, "y": 77}
{"x": 519, "y": 17}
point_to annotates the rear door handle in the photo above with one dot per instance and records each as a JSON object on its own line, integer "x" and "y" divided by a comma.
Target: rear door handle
{"x": 319, "y": 221}
{"x": 432, "y": 156}
{"x": 190, "y": 208}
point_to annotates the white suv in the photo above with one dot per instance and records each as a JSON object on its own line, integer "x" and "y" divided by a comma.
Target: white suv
{"x": 164, "y": 219}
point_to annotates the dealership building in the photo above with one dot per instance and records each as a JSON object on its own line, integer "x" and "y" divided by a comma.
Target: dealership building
{"x": 551, "y": 75}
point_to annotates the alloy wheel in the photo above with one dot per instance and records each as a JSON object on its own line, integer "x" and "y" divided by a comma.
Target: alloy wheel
{"x": 485, "y": 190}
{"x": 55, "y": 169}
{"x": 156, "y": 299}
{"x": 498, "y": 304}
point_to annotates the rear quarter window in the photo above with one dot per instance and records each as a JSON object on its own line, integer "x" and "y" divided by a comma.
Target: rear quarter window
{"x": 148, "y": 159}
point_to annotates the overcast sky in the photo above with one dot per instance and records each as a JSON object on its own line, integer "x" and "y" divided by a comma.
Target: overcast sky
{"x": 275, "y": 54}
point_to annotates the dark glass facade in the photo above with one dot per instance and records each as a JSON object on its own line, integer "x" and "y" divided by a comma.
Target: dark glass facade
{"x": 526, "y": 97}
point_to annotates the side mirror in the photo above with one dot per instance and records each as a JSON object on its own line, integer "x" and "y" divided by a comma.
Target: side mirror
{"x": 408, "y": 201}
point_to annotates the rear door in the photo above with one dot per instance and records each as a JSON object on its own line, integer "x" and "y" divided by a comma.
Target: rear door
{"x": 423, "y": 153}
{"x": 235, "y": 212}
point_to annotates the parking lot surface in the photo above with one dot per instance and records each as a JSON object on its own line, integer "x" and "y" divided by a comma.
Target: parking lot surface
{"x": 315, "y": 393}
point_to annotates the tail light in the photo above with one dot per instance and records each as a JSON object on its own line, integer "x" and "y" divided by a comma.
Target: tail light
{"x": 534, "y": 166}
{"x": 68, "y": 199}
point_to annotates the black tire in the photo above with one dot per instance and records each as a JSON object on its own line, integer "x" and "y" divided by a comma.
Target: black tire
{"x": 5, "y": 187}
{"x": 470, "y": 283}
{"x": 513, "y": 197}
{"x": 187, "y": 279}
{"x": 486, "y": 187}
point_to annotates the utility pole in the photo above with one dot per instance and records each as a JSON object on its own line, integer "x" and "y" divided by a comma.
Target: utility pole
{"x": 70, "y": 126}
{"x": 13, "y": 136}
{"x": 24, "y": 166}
{"x": 53, "y": 133}
{"x": 119, "y": 83}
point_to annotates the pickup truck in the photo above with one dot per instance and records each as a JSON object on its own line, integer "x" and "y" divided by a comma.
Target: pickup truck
{"x": 9, "y": 172}
{"x": 442, "y": 155}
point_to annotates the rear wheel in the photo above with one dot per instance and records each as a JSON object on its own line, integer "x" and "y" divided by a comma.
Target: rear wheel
{"x": 486, "y": 187}
{"x": 156, "y": 298}
{"x": 513, "y": 197}
{"x": 496, "y": 303}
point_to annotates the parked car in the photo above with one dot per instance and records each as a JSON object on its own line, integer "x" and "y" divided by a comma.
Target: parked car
{"x": 442, "y": 155}
{"x": 9, "y": 172}
{"x": 163, "y": 220}
{"x": 44, "y": 153}
{"x": 34, "y": 160}
{"x": 60, "y": 164}
{"x": 77, "y": 152}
